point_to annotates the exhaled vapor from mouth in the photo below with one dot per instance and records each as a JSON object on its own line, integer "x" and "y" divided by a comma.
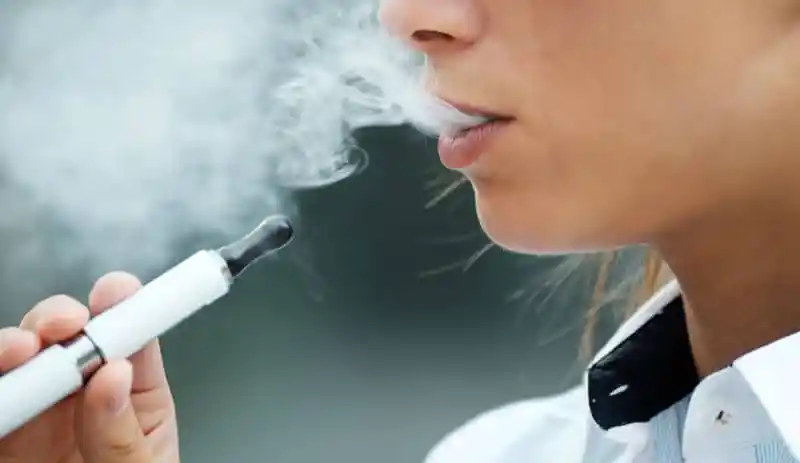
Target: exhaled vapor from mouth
{"x": 435, "y": 116}
{"x": 478, "y": 117}
{"x": 440, "y": 117}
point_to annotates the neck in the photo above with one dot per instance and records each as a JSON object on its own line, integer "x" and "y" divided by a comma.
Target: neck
{"x": 740, "y": 279}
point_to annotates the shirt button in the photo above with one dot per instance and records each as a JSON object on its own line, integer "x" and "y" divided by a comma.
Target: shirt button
{"x": 723, "y": 417}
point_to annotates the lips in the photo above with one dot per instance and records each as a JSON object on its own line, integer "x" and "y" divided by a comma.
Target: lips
{"x": 474, "y": 111}
{"x": 463, "y": 147}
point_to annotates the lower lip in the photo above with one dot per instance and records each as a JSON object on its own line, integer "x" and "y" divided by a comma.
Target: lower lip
{"x": 462, "y": 150}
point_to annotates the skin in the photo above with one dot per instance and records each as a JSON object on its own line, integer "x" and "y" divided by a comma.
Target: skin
{"x": 669, "y": 122}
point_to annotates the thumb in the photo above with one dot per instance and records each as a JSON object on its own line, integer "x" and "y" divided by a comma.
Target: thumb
{"x": 107, "y": 429}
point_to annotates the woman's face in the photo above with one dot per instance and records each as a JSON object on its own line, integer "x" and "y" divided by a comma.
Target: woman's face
{"x": 631, "y": 118}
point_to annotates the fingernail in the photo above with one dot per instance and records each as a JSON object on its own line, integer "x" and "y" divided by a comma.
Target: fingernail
{"x": 120, "y": 399}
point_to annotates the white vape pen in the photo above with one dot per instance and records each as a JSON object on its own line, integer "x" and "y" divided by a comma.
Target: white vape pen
{"x": 60, "y": 370}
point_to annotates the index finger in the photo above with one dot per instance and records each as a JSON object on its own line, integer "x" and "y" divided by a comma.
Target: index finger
{"x": 148, "y": 366}
{"x": 56, "y": 319}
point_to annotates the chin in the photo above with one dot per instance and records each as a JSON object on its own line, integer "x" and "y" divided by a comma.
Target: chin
{"x": 511, "y": 238}
{"x": 507, "y": 221}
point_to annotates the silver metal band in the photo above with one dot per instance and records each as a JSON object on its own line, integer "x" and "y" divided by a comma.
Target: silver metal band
{"x": 87, "y": 356}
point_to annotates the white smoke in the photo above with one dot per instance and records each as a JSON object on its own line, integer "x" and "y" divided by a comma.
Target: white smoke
{"x": 129, "y": 125}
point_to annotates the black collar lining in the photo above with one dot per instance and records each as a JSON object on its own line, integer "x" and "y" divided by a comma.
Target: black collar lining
{"x": 645, "y": 374}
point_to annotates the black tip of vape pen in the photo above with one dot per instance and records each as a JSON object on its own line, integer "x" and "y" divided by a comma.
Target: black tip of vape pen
{"x": 271, "y": 235}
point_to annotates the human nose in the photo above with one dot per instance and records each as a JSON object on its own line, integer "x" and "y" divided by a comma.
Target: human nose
{"x": 433, "y": 27}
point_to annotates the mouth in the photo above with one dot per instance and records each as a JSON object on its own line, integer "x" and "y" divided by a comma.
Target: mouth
{"x": 475, "y": 118}
{"x": 464, "y": 143}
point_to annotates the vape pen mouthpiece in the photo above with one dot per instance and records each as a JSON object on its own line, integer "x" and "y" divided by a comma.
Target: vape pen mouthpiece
{"x": 271, "y": 235}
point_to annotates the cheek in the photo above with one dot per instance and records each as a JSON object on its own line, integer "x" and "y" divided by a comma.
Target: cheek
{"x": 567, "y": 197}
{"x": 593, "y": 165}
{"x": 620, "y": 123}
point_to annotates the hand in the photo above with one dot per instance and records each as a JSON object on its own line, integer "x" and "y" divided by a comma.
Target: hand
{"x": 124, "y": 415}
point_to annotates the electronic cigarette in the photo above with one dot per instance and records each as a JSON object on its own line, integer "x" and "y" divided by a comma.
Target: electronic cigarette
{"x": 61, "y": 370}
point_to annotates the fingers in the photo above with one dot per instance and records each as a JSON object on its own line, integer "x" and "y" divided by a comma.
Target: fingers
{"x": 107, "y": 429}
{"x": 111, "y": 289}
{"x": 56, "y": 319}
{"x": 148, "y": 365}
{"x": 16, "y": 347}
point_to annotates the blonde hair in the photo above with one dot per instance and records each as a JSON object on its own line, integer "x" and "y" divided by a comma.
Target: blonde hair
{"x": 636, "y": 285}
{"x": 637, "y": 289}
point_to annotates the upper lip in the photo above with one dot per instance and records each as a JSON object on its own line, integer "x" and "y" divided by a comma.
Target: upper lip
{"x": 476, "y": 111}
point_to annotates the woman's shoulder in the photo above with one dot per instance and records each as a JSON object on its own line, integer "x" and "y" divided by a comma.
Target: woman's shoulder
{"x": 543, "y": 429}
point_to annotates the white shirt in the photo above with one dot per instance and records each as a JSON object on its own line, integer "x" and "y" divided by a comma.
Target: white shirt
{"x": 640, "y": 402}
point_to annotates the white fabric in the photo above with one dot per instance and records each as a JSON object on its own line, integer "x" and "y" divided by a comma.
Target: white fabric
{"x": 748, "y": 413}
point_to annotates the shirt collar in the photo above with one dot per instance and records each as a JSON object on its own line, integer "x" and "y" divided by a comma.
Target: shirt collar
{"x": 772, "y": 373}
{"x": 647, "y": 367}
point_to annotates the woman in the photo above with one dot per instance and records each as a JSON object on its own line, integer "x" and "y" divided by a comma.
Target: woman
{"x": 674, "y": 123}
